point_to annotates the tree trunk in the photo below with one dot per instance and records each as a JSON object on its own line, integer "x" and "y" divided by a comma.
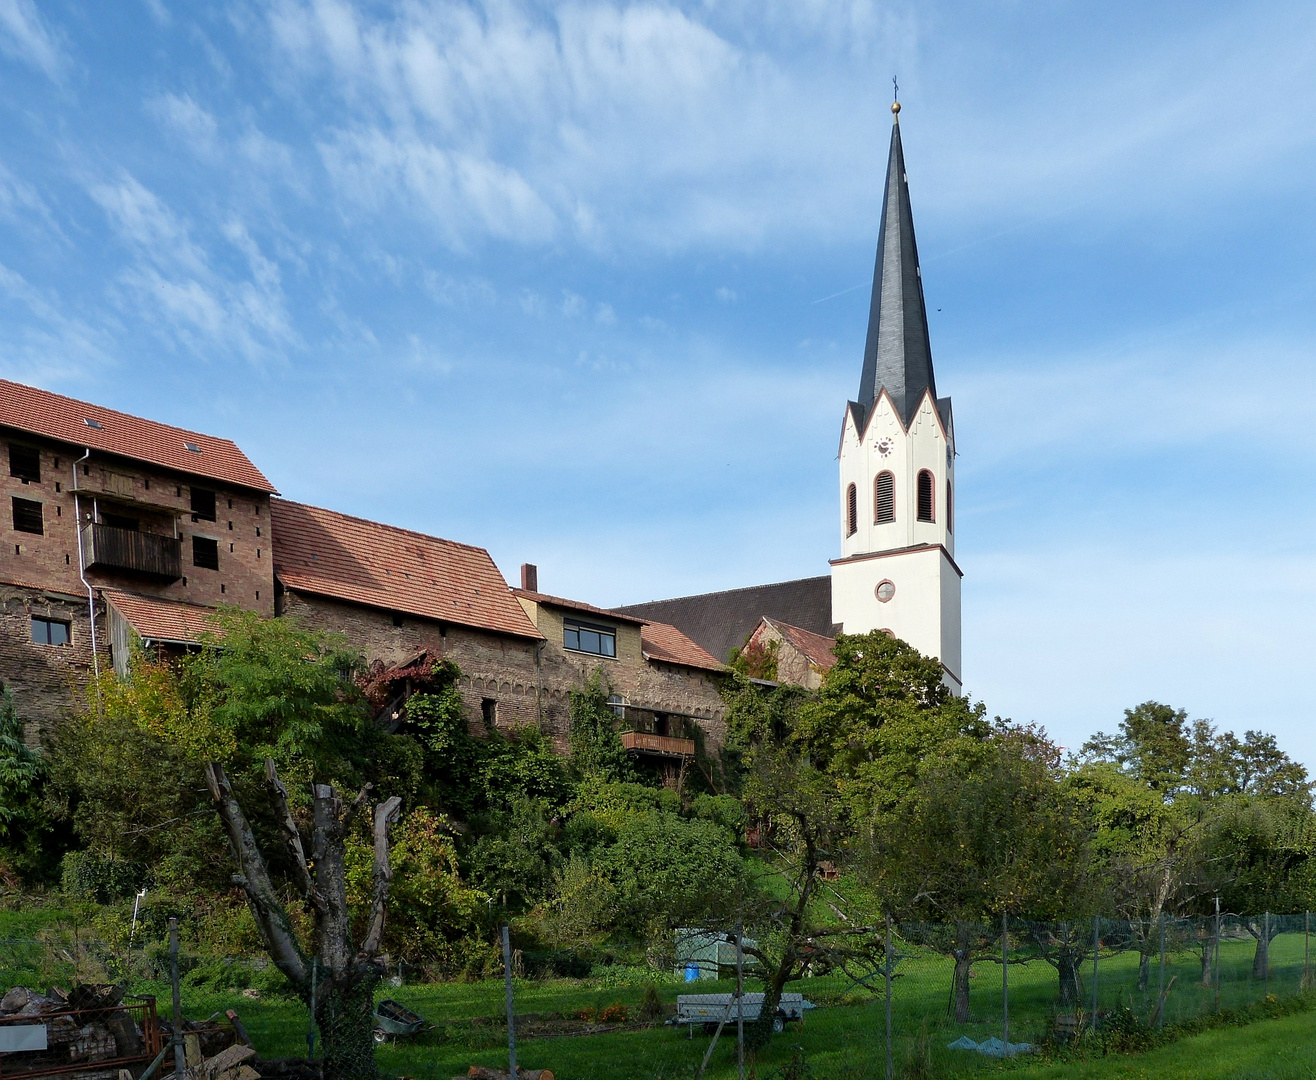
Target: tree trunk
{"x": 1208, "y": 972}
{"x": 758, "y": 1033}
{"x": 344, "y": 976}
{"x": 1071, "y": 985}
{"x": 346, "y": 1019}
{"x": 963, "y": 965}
{"x": 1261, "y": 958}
{"x": 1144, "y": 968}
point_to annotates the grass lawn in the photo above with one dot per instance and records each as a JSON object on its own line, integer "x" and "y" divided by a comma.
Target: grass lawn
{"x": 842, "y": 1039}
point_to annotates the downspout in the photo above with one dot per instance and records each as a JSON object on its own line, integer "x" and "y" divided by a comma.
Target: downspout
{"x": 82, "y": 573}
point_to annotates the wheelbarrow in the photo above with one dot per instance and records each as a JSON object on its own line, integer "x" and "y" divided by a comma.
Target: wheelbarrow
{"x": 395, "y": 1021}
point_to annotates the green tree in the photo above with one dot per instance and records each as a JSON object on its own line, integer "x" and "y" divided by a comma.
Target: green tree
{"x": 596, "y": 748}
{"x": 880, "y": 710}
{"x": 987, "y": 830}
{"x": 672, "y": 870}
{"x": 26, "y": 832}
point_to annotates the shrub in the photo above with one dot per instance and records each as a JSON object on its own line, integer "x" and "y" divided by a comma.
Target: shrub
{"x": 651, "y": 1006}
{"x": 101, "y": 878}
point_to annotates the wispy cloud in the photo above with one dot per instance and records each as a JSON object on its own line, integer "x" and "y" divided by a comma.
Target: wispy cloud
{"x": 25, "y": 36}
{"x": 172, "y": 274}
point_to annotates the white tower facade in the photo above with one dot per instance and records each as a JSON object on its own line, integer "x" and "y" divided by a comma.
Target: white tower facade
{"x": 897, "y": 569}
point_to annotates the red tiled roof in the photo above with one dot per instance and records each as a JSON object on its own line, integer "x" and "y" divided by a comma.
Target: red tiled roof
{"x": 56, "y": 417}
{"x": 161, "y": 620}
{"x": 816, "y": 648}
{"x": 348, "y": 558}
{"x": 662, "y": 641}
{"x": 576, "y": 605}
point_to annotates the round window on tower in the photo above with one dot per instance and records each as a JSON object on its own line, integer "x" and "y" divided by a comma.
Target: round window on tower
{"x": 885, "y": 590}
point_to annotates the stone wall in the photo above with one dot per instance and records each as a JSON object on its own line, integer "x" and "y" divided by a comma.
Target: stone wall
{"x": 47, "y": 681}
{"x": 526, "y": 682}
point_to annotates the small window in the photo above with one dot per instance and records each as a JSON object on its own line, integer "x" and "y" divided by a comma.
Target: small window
{"x": 950, "y": 510}
{"x": 203, "y": 504}
{"x": 851, "y": 510}
{"x": 192, "y": 447}
{"x": 617, "y": 704}
{"x": 884, "y": 499}
{"x": 205, "y": 553}
{"x": 27, "y": 517}
{"x": 25, "y": 462}
{"x": 92, "y": 423}
{"x": 584, "y": 637}
{"x": 926, "y": 507}
{"x": 49, "y": 631}
{"x": 489, "y": 712}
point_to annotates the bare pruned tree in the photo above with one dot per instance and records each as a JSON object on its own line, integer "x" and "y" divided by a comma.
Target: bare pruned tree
{"x": 338, "y": 980}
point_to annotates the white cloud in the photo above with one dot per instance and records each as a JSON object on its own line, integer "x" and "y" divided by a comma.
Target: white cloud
{"x": 461, "y": 193}
{"x": 172, "y": 273}
{"x": 604, "y": 315}
{"x": 195, "y": 125}
{"x": 572, "y": 304}
{"x": 24, "y": 35}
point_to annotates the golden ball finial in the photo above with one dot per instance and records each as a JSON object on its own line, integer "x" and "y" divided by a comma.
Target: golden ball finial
{"x": 895, "y": 108}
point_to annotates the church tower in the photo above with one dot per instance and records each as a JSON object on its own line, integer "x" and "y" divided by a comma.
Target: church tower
{"x": 897, "y": 567}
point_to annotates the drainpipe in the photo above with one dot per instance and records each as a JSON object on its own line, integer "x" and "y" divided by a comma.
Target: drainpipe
{"x": 82, "y": 573}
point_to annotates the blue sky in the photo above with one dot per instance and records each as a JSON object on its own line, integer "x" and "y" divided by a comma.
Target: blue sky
{"x": 586, "y": 284}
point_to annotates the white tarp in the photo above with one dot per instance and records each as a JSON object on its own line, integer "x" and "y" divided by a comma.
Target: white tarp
{"x": 991, "y": 1047}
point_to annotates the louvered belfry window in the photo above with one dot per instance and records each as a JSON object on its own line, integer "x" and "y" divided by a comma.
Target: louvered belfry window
{"x": 851, "y": 510}
{"x": 925, "y": 501}
{"x": 950, "y": 510}
{"x": 884, "y": 499}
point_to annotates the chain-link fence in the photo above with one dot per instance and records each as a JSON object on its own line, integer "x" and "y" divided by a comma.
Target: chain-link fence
{"x": 963, "y": 992}
{"x": 957, "y": 991}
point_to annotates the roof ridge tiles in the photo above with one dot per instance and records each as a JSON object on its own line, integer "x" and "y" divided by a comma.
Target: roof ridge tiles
{"x": 65, "y": 419}
{"x": 375, "y": 525}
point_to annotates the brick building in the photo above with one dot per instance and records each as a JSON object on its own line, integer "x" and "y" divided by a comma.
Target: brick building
{"x": 117, "y": 526}
{"x": 111, "y": 523}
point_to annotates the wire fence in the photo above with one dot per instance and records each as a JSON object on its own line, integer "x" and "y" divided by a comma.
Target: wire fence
{"x": 937, "y": 992}
{"x": 1002, "y": 988}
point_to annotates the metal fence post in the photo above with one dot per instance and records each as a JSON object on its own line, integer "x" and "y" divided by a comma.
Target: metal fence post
{"x": 1096, "y": 948}
{"x": 1265, "y": 974}
{"x": 179, "y": 1063}
{"x": 1306, "y": 950}
{"x": 1216, "y": 954}
{"x": 740, "y": 1004}
{"x": 511, "y": 1014}
{"x": 1005, "y": 984}
{"x": 890, "y": 1068}
{"x": 1160, "y": 987}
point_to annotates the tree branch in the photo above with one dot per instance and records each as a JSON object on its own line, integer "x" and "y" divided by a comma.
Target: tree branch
{"x": 271, "y": 920}
{"x": 386, "y": 814}
{"x": 292, "y": 835}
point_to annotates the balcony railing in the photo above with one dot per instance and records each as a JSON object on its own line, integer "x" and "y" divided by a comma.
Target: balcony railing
{"x": 107, "y": 548}
{"x": 642, "y": 742}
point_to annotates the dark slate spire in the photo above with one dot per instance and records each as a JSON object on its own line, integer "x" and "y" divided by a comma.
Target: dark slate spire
{"x": 898, "y": 354}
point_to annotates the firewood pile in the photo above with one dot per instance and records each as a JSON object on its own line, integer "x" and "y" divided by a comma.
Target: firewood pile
{"x": 230, "y": 1064}
{"x": 63, "y": 1029}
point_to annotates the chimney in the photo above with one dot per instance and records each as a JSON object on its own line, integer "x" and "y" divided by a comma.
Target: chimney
{"x": 529, "y": 577}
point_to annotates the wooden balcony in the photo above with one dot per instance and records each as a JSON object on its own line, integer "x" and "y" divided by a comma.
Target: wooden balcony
{"x": 642, "y": 742}
{"x": 127, "y": 551}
